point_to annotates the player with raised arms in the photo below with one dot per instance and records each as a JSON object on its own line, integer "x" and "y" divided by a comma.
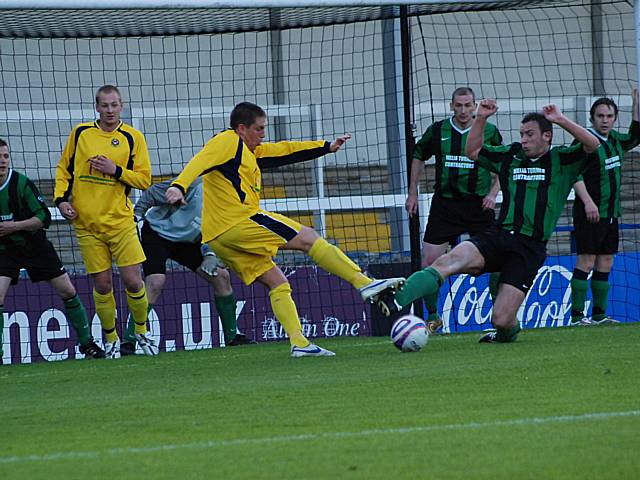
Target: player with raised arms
{"x": 596, "y": 210}
{"x": 536, "y": 180}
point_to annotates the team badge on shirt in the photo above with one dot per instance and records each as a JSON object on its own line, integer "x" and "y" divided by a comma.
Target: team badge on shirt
{"x": 115, "y": 142}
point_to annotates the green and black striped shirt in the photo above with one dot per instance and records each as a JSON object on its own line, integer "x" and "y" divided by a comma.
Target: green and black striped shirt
{"x": 602, "y": 175}
{"x": 21, "y": 200}
{"x": 456, "y": 175}
{"x": 534, "y": 191}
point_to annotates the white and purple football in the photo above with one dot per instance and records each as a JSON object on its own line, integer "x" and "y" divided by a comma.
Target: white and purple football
{"x": 409, "y": 333}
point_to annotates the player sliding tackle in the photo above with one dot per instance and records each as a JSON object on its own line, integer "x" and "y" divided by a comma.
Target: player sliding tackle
{"x": 247, "y": 238}
{"x": 535, "y": 179}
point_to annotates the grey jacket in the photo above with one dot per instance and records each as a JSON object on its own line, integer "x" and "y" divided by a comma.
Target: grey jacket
{"x": 174, "y": 223}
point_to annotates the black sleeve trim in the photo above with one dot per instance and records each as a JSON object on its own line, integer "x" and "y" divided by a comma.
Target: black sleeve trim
{"x": 118, "y": 173}
{"x": 296, "y": 157}
{"x": 179, "y": 187}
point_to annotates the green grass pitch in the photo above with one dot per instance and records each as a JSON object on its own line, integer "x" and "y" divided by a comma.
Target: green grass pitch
{"x": 559, "y": 403}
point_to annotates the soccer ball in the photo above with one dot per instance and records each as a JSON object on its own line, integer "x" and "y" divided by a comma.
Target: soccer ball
{"x": 409, "y": 333}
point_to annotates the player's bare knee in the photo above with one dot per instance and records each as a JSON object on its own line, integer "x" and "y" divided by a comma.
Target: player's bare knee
{"x": 133, "y": 285}
{"x": 221, "y": 283}
{"x": 307, "y": 237}
{"x": 63, "y": 286}
{"x": 603, "y": 263}
{"x": 585, "y": 262}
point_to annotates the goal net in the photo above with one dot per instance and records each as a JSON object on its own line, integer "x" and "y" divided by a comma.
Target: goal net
{"x": 319, "y": 73}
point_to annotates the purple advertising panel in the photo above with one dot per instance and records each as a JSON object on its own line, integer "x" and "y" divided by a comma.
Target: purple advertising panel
{"x": 184, "y": 318}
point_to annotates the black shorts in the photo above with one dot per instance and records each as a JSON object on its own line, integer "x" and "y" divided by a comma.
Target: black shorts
{"x": 39, "y": 259}
{"x": 517, "y": 257}
{"x": 596, "y": 238}
{"x": 158, "y": 250}
{"x": 451, "y": 217}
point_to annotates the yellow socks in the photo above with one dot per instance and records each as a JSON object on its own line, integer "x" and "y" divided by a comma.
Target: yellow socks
{"x": 287, "y": 314}
{"x": 138, "y": 306}
{"x": 334, "y": 261}
{"x": 106, "y": 310}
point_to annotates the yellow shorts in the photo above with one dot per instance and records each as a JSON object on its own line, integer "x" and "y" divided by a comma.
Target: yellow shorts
{"x": 249, "y": 247}
{"x": 98, "y": 249}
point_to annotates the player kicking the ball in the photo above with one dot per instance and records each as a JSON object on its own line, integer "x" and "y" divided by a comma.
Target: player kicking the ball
{"x": 247, "y": 238}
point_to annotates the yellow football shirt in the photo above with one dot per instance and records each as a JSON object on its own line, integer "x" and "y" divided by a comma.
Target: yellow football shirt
{"x": 102, "y": 201}
{"x": 232, "y": 177}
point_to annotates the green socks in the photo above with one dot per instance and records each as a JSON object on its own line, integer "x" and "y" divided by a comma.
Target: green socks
{"x": 579, "y": 287}
{"x": 507, "y": 335}
{"x": 423, "y": 283}
{"x": 77, "y": 315}
{"x": 600, "y": 292}
{"x": 130, "y": 334}
{"x": 226, "y": 307}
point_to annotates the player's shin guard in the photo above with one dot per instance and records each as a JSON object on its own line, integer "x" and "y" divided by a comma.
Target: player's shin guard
{"x": 494, "y": 281}
{"x": 226, "y": 307}
{"x": 138, "y": 306}
{"x": 334, "y": 261}
{"x": 600, "y": 292}
{"x": 77, "y": 315}
{"x": 579, "y": 288}
{"x": 287, "y": 314}
{"x": 106, "y": 310}
{"x": 423, "y": 283}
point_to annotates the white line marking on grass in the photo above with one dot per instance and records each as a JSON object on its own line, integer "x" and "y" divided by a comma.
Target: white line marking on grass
{"x": 317, "y": 436}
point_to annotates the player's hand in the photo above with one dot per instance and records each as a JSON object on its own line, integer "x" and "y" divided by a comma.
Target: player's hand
{"x": 591, "y": 210}
{"x": 338, "y": 142}
{"x": 411, "y": 205}
{"x": 487, "y": 107}
{"x": 67, "y": 211}
{"x": 210, "y": 264}
{"x": 552, "y": 113}
{"x": 7, "y": 228}
{"x": 489, "y": 202}
{"x": 174, "y": 196}
{"x": 103, "y": 164}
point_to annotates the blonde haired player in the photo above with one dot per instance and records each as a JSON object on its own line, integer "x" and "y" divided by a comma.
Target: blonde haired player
{"x": 101, "y": 162}
{"x": 247, "y": 238}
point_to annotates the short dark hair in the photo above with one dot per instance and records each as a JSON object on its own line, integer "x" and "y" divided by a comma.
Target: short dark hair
{"x": 462, "y": 91}
{"x": 603, "y": 101}
{"x": 245, "y": 113}
{"x": 3, "y": 143}
{"x": 544, "y": 124}
{"x": 107, "y": 89}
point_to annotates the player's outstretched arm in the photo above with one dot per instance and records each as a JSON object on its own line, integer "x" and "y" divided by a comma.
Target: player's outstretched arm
{"x": 475, "y": 139}
{"x": 339, "y": 142}
{"x": 590, "y": 143}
